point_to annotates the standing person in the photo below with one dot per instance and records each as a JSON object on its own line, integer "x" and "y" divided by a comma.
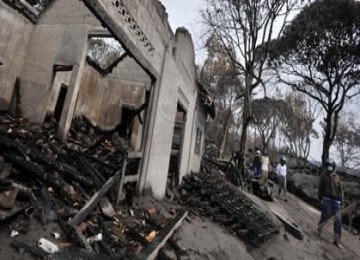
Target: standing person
{"x": 281, "y": 173}
{"x": 265, "y": 163}
{"x": 257, "y": 164}
{"x": 331, "y": 196}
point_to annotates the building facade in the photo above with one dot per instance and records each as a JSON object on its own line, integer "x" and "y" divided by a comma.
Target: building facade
{"x": 46, "y": 57}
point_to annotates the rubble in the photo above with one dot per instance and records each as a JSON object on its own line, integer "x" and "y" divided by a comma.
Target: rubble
{"x": 210, "y": 194}
{"x": 73, "y": 188}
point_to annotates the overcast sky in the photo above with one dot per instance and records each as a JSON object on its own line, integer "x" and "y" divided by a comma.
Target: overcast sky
{"x": 186, "y": 13}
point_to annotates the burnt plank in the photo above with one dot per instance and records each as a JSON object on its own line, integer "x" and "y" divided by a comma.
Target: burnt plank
{"x": 151, "y": 250}
{"x": 95, "y": 199}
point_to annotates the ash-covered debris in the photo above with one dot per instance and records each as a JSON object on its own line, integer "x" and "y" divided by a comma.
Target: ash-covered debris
{"x": 59, "y": 199}
{"x": 210, "y": 194}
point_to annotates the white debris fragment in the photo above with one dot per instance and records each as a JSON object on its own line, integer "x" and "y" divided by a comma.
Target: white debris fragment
{"x": 14, "y": 233}
{"x": 48, "y": 246}
{"x": 92, "y": 239}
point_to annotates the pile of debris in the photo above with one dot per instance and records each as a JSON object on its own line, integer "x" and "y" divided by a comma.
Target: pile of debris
{"x": 72, "y": 189}
{"x": 210, "y": 194}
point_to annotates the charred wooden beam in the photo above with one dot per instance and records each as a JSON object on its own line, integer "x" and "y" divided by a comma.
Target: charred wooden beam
{"x": 74, "y": 234}
{"x": 81, "y": 255}
{"x": 37, "y": 156}
{"x": 51, "y": 179}
{"x": 120, "y": 193}
{"x": 100, "y": 162}
{"x": 95, "y": 199}
{"x": 67, "y": 171}
{"x": 151, "y": 250}
{"x": 8, "y": 214}
{"x": 91, "y": 168}
{"x": 86, "y": 164}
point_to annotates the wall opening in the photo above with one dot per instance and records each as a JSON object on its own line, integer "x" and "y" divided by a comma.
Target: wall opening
{"x": 198, "y": 141}
{"x": 104, "y": 53}
{"x": 60, "y": 102}
{"x": 176, "y": 148}
{"x": 58, "y": 90}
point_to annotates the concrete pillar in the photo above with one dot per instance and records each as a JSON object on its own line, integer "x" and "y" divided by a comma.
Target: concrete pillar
{"x": 71, "y": 96}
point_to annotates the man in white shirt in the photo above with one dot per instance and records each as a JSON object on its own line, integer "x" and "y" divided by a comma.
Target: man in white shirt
{"x": 265, "y": 162}
{"x": 281, "y": 173}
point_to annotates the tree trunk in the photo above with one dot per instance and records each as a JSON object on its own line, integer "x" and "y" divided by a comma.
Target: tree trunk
{"x": 246, "y": 120}
{"x": 224, "y": 135}
{"x": 327, "y": 138}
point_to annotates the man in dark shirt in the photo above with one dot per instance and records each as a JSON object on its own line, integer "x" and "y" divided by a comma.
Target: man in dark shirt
{"x": 331, "y": 196}
{"x": 257, "y": 164}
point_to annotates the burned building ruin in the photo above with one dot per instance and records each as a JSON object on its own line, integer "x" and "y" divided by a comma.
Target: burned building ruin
{"x": 47, "y": 68}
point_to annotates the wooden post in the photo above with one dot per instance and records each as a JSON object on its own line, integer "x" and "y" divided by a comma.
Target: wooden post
{"x": 121, "y": 185}
{"x": 291, "y": 227}
{"x": 95, "y": 199}
{"x": 151, "y": 250}
{"x": 348, "y": 210}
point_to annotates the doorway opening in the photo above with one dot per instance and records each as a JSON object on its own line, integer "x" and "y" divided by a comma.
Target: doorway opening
{"x": 60, "y": 102}
{"x": 176, "y": 148}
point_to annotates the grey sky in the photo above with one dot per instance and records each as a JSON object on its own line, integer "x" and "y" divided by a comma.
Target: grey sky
{"x": 186, "y": 13}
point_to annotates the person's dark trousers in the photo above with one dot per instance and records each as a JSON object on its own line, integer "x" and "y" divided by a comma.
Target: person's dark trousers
{"x": 329, "y": 208}
{"x": 257, "y": 172}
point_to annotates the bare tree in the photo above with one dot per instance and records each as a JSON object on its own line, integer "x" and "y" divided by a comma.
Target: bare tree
{"x": 267, "y": 117}
{"x": 105, "y": 52}
{"x": 319, "y": 56}
{"x": 298, "y": 117}
{"x": 346, "y": 140}
{"x": 220, "y": 75}
{"x": 241, "y": 26}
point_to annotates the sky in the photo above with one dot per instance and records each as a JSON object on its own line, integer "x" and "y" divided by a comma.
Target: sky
{"x": 186, "y": 13}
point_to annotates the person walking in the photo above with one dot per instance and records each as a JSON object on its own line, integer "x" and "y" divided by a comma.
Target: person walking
{"x": 331, "y": 195}
{"x": 281, "y": 172}
{"x": 265, "y": 163}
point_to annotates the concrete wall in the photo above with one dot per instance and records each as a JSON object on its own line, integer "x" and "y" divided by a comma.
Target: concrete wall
{"x": 60, "y": 38}
{"x": 143, "y": 29}
{"x": 177, "y": 86}
{"x": 200, "y": 122}
{"x": 15, "y": 31}
{"x": 101, "y": 97}
{"x": 140, "y": 25}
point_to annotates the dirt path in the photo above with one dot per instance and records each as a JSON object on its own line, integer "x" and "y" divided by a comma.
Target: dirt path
{"x": 204, "y": 239}
{"x": 285, "y": 246}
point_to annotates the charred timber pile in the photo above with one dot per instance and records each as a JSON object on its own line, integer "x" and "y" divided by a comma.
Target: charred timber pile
{"x": 210, "y": 194}
{"x": 72, "y": 189}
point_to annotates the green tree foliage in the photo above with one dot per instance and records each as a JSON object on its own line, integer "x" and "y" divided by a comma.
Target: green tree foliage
{"x": 319, "y": 55}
